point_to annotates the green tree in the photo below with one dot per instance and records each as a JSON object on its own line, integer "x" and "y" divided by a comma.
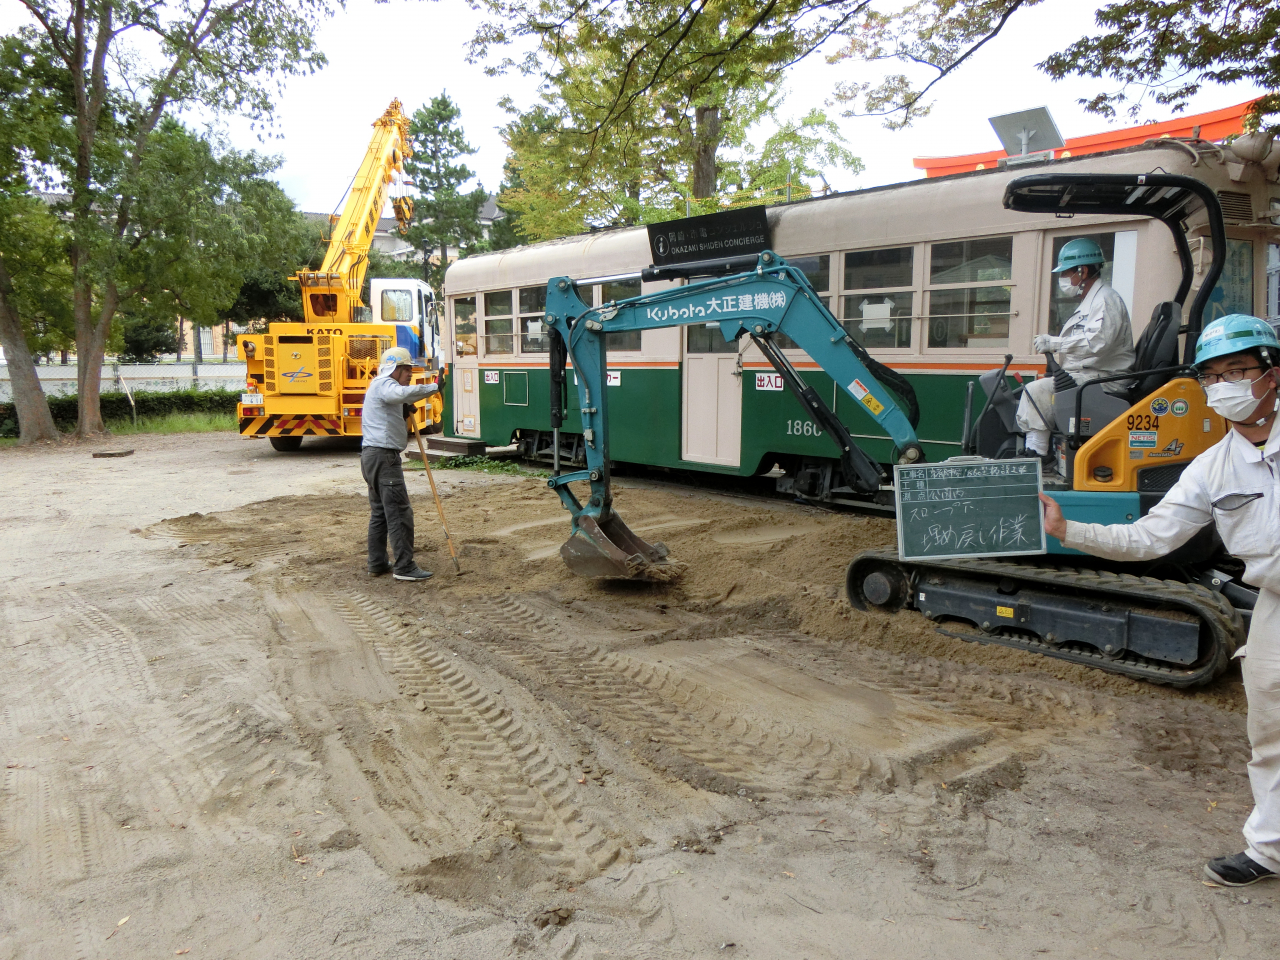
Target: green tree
{"x": 204, "y": 217}
{"x": 1156, "y": 52}
{"x": 35, "y": 305}
{"x": 506, "y": 232}
{"x": 145, "y": 338}
{"x": 121, "y": 66}
{"x": 565, "y": 185}
{"x": 266, "y": 293}
{"x": 647, "y": 108}
{"x": 695, "y": 63}
{"x": 443, "y": 215}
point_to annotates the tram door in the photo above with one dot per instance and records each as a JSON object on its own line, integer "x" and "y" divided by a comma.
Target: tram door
{"x": 466, "y": 368}
{"x": 712, "y": 398}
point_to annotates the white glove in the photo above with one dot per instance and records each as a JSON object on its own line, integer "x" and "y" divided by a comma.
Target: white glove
{"x": 1044, "y": 343}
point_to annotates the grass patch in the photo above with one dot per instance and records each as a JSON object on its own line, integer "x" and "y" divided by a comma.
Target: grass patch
{"x": 8, "y": 442}
{"x": 199, "y": 422}
{"x": 481, "y": 465}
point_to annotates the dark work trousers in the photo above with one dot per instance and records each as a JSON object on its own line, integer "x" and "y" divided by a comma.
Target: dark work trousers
{"x": 389, "y": 510}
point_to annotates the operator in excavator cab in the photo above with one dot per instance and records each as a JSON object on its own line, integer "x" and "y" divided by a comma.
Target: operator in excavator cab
{"x": 1235, "y": 484}
{"x": 1096, "y": 340}
{"x": 385, "y": 437}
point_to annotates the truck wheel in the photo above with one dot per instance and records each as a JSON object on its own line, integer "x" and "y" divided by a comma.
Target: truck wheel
{"x": 286, "y": 444}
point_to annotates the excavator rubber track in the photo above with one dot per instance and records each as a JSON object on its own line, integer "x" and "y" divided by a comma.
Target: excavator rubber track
{"x": 1221, "y": 629}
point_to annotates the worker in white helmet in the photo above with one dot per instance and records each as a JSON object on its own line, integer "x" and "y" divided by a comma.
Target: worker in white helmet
{"x": 385, "y": 437}
{"x": 1095, "y": 341}
{"x": 1235, "y": 487}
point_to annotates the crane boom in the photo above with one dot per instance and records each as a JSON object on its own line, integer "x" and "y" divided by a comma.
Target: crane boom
{"x": 331, "y": 293}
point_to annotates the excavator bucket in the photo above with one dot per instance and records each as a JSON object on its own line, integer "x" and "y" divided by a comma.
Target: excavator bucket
{"x": 608, "y": 550}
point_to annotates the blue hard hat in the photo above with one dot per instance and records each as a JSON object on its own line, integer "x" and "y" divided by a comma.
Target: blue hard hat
{"x": 1235, "y": 333}
{"x": 1077, "y": 252}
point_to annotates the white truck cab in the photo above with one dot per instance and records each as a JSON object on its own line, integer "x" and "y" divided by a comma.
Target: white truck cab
{"x": 411, "y": 302}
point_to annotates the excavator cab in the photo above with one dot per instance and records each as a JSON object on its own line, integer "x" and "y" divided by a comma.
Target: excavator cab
{"x": 1084, "y": 411}
{"x": 1123, "y": 442}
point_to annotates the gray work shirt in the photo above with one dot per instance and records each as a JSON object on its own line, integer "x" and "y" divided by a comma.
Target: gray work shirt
{"x": 382, "y": 420}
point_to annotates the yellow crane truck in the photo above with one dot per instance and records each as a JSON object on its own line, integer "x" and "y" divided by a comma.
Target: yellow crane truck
{"x": 309, "y": 378}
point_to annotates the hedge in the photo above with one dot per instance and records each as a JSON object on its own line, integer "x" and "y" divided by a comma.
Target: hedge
{"x": 115, "y": 406}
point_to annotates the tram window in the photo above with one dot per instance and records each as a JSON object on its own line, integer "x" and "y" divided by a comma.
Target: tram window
{"x": 707, "y": 338}
{"x": 533, "y": 306}
{"x": 976, "y": 317}
{"x": 464, "y": 325}
{"x": 879, "y": 319}
{"x": 1121, "y": 251}
{"x": 397, "y": 306}
{"x": 877, "y": 269}
{"x": 971, "y": 261}
{"x": 816, "y": 269}
{"x": 498, "y": 335}
{"x": 626, "y": 340}
{"x": 872, "y": 311}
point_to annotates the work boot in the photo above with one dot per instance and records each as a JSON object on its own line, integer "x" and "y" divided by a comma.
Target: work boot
{"x": 380, "y": 570}
{"x": 1238, "y": 871}
{"x": 417, "y": 573}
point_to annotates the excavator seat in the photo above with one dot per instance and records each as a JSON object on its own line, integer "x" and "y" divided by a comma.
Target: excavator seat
{"x": 1157, "y": 350}
{"x": 996, "y": 434}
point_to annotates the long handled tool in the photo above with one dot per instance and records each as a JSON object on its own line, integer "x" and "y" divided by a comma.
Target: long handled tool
{"x": 439, "y": 506}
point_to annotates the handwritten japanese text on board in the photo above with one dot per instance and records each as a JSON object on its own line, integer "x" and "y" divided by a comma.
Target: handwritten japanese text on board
{"x": 976, "y": 509}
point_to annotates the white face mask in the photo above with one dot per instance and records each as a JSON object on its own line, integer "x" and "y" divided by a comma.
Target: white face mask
{"x": 1069, "y": 288}
{"x": 1235, "y": 401}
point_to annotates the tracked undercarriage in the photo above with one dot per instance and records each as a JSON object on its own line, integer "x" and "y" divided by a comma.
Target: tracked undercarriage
{"x": 1163, "y": 631}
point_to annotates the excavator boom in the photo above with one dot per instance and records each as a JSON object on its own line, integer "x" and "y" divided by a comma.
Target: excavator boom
{"x": 772, "y": 299}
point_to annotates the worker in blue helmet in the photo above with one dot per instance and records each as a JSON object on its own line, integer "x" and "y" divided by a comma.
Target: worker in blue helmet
{"x": 1095, "y": 341}
{"x": 1235, "y": 484}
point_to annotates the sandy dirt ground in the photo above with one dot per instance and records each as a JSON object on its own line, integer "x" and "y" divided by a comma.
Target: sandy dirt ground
{"x": 222, "y": 739}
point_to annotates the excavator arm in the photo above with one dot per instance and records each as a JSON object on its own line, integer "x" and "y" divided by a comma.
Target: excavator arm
{"x": 331, "y": 293}
{"x": 772, "y": 299}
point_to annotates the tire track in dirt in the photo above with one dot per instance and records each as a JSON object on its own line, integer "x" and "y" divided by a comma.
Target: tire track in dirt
{"x": 664, "y": 706}
{"x": 530, "y": 787}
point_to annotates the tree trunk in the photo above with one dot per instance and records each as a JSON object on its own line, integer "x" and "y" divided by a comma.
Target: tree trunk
{"x": 181, "y": 336}
{"x": 706, "y": 140}
{"x": 91, "y": 347}
{"x": 35, "y": 422}
{"x": 226, "y": 337}
{"x": 197, "y": 345}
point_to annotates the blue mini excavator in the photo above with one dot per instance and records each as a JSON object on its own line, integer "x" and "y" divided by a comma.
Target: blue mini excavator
{"x": 1064, "y": 605}
{"x": 767, "y": 298}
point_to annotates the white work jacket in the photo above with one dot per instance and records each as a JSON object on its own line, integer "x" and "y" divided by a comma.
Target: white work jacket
{"x": 1097, "y": 340}
{"x": 1232, "y": 484}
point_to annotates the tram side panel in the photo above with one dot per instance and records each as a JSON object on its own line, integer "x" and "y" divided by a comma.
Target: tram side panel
{"x": 645, "y": 417}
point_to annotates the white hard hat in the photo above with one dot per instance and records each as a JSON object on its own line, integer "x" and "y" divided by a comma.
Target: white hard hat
{"x": 393, "y": 358}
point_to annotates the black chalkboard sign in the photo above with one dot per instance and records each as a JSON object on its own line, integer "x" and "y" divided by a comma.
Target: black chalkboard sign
{"x": 969, "y": 507}
{"x": 729, "y": 233}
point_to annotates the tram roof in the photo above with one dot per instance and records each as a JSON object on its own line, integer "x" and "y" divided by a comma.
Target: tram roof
{"x": 937, "y": 208}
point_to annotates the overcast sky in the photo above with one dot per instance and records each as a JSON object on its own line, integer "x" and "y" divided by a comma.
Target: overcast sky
{"x": 413, "y": 50}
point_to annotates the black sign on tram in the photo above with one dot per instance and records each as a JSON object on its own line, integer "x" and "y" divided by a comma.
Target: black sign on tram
{"x": 715, "y": 236}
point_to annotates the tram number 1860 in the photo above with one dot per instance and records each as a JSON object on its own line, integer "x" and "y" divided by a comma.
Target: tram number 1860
{"x": 803, "y": 428}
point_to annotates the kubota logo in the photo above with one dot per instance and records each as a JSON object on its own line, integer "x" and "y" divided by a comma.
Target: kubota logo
{"x": 293, "y": 376}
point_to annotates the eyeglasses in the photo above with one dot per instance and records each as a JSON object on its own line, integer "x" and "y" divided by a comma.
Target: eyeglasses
{"x": 1227, "y": 376}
